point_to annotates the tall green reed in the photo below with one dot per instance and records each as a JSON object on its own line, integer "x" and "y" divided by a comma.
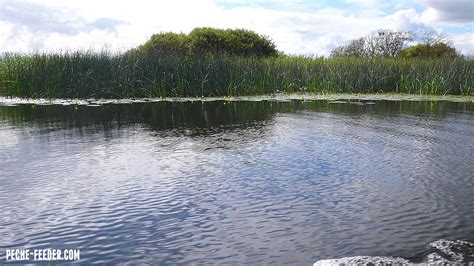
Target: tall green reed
{"x": 104, "y": 75}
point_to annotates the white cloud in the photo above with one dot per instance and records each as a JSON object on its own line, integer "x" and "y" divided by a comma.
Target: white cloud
{"x": 455, "y": 11}
{"x": 464, "y": 43}
{"x": 84, "y": 24}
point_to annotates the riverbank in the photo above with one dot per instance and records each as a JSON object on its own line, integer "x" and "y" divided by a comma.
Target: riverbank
{"x": 132, "y": 75}
{"x": 336, "y": 98}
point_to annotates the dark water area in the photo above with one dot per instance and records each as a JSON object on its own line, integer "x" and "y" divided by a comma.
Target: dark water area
{"x": 236, "y": 182}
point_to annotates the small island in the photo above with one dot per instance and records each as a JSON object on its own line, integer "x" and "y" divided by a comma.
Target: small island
{"x": 210, "y": 62}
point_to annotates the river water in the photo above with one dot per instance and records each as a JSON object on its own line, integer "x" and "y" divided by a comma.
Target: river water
{"x": 236, "y": 182}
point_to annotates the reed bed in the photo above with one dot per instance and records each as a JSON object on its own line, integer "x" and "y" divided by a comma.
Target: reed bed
{"x": 129, "y": 75}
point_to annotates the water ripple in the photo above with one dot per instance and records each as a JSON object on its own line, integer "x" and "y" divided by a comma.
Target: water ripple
{"x": 286, "y": 187}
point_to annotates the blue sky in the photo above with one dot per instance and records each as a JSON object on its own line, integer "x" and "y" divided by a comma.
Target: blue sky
{"x": 296, "y": 26}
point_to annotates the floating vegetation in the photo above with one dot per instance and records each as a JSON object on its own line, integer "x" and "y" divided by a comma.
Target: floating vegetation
{"x": 132, "y": 75}
{"x": 356, "y": 99}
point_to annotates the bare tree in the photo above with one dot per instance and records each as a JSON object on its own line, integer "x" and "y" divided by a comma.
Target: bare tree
{"x": 354, "y": 48}
{"x": 432, "y": 38}
{"x": 371, "y": 45}
{"x": 382, "y": 43}
{"x": 390, "y": 43}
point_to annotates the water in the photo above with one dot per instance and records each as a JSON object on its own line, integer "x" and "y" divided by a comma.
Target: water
{"x": 236, "y": 182}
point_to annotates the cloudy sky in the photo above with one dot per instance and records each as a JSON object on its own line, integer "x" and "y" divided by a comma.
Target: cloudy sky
{"x": 296, "y": 26}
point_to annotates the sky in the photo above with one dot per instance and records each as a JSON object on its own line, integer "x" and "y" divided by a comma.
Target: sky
{"x": 300, "y": 27}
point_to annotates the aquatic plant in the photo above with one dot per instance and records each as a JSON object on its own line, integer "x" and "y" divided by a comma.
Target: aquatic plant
{"x": 88, "y": 74}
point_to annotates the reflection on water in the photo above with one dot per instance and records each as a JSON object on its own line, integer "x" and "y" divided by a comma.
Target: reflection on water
{"x": 236, "y": 182}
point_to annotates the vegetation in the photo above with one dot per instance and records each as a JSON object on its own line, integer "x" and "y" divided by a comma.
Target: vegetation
{"x": 392, "y": 44}
{"x": 210, "y": 62}
{"x": 168, "y": 43}
{"x": 83, "y": 75}
{"x": 429, "y": 51}
{"x": 381, "y": 44}
{"x": 205, "y": 41}
{"x": 433, "y": 45}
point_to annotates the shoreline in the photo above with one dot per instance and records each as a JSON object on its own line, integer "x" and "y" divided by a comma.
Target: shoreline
{"x": 12, "y": 101}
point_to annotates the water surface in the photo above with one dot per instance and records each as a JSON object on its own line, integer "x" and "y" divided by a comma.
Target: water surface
{"x": 236, "y": 182}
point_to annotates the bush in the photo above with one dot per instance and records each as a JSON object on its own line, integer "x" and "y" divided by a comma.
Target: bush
{"x": 205, "y": 41}
{"x": 429, "y": 51}
{"x": 167, "y": 43}
{"x": 230, "y": 42}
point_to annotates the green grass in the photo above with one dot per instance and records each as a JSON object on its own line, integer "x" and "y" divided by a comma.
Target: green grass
{"x": 102, "y": 75}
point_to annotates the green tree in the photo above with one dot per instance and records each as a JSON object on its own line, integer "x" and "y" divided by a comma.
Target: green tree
{"x": 204, "y": 41}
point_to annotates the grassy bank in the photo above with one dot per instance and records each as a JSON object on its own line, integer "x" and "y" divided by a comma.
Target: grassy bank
{"x": 101, "y": 75}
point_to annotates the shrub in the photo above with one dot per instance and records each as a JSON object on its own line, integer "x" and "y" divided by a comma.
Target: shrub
{"x": 166, "y": 43}
{"x": 429, "y": 51}
{"x": 230, "y": 42}
{"x": 205, "y": 41}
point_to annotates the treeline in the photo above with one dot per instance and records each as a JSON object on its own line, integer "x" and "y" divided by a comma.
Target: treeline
{"x": 394, "y": 44}
{"x": 383, "y": 43}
